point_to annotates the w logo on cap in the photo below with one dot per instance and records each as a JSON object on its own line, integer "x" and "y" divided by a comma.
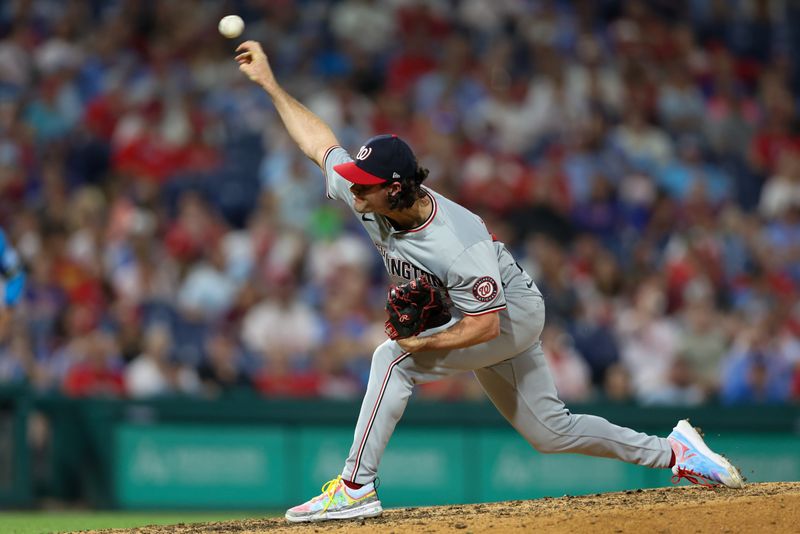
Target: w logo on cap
{"x": 363, "y": 153}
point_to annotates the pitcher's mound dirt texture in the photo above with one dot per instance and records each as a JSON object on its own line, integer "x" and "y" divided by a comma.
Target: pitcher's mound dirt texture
{"x": 772, "y": 507}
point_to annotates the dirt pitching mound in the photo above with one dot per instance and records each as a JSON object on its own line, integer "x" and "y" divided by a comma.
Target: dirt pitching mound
{"x": 772, "y": 507}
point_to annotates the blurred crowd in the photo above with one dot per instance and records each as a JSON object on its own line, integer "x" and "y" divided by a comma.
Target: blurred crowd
{"x": 640, "y": 159}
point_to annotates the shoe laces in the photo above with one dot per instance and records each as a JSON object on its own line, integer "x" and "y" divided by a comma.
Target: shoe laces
{"x": 329, "y": 490}
{"x": 684, "y": 453}
{"x": 694, "y": 477}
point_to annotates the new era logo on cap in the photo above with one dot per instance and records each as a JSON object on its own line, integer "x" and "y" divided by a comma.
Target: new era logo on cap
{"x": 382, "y": 159}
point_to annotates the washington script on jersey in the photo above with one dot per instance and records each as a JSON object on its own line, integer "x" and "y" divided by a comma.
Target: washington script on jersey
{"x": 406, "y": 269}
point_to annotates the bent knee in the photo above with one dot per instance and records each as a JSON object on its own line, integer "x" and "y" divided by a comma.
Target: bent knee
{"x": 553, "y": 435}
{"x": 548, "y": 446}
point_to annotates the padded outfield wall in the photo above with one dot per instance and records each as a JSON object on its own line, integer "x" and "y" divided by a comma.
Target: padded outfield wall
{"x": 250, "y": 453}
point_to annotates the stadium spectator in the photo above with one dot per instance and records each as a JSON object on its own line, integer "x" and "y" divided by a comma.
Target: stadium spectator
{"x": 643, "y": 165}
{"x": 756, "y": 370}
{"x": 97, "y": 372}
{"x": 648, "y": 340}
{"x": 570, "y": 372}
{"x": 617, "y": 384}
{"x": 703, "y": 343}
{"x": 207, "y": 291}
{"x": 153, "y": 373}
{"x": 223, "y": 369}
{"x": 17, "y": 363}
{"x": 682, "y": 388}
{"x": 282, "y": 329}
{"x": 782, "y": 190}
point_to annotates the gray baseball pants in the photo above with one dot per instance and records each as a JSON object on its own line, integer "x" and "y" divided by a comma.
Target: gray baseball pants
{"x": 513, "y": 371}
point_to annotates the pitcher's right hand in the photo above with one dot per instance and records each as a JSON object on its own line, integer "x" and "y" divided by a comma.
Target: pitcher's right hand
{"x": 253, "y": 62}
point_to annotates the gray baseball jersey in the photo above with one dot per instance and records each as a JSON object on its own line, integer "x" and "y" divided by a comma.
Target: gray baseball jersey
{"x": 454, "y": 250}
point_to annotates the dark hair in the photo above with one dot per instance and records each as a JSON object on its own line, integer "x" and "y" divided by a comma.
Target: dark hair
{"x": 410, "y": 190}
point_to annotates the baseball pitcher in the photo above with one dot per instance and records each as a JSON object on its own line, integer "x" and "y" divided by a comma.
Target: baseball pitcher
{"x": 459, "y": 302}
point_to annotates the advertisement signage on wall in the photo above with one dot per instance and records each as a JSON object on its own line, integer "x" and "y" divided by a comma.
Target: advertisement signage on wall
{"x": 273, "y": 467}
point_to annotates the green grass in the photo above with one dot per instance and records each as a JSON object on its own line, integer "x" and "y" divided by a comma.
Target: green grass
{"x": 39, "y": 522}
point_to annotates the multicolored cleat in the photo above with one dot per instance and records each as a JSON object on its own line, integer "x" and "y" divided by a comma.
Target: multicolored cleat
{"x": 698, "y": 464}
{"x": 337, "y": 501}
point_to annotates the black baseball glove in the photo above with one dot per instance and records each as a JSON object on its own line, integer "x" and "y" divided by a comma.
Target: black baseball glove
{"x": 413, "y": 307}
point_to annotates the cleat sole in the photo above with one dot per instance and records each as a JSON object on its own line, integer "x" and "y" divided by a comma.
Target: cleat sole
{"x": 372, "y": 509}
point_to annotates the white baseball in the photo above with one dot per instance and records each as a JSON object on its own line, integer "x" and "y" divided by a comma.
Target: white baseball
{"x": 231, "y": 26}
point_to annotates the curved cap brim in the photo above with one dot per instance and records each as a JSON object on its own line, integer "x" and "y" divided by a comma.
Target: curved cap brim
{"x": 352, "y": 173}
